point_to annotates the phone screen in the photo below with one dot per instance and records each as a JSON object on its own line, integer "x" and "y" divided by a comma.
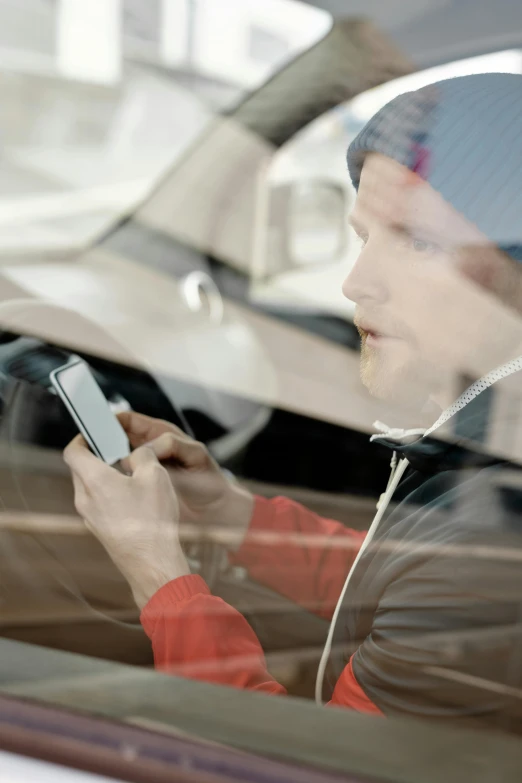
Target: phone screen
{"x": 90, "y": 410}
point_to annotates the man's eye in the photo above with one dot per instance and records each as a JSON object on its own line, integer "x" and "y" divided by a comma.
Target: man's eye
{"x": 421, "y": 246}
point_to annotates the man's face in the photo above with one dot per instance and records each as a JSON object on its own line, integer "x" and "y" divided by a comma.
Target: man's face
{"x": 409, "y": 236}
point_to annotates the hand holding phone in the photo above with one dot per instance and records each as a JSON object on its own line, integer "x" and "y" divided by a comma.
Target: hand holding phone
{"x": 88, "y": 406}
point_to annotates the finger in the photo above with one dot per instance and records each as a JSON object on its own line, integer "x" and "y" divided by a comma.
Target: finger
{"x": 82, "y": 461}
{"x": 141, "y": 429}
{"x": 144, "y": 457}
{"x": 77, "y": 454}
{"x": 189, "y": 453}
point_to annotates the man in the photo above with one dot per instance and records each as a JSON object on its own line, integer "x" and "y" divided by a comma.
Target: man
{"x": 429, "y": 623}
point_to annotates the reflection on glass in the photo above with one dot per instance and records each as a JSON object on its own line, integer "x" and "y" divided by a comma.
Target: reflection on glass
{"x": 318, "y": 372}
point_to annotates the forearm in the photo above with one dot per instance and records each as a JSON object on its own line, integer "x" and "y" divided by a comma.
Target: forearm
{"x": 298, "y": 553}
{"x": 199, "y": 636}
{"x": 236, "y": 516}
{"x": 225, "y": 521}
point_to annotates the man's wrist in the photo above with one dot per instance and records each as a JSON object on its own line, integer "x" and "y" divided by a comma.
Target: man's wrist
{"x": 235, "y": 516}
{"x": 153, "y": 578}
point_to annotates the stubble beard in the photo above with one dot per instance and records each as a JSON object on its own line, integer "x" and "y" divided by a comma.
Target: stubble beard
{"x": 411, "y": 383}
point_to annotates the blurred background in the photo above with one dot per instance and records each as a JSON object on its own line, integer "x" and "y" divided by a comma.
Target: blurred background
{"x": 99, "y": 100}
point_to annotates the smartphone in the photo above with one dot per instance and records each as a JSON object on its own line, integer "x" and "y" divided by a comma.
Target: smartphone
{"x": 85, "y": 401}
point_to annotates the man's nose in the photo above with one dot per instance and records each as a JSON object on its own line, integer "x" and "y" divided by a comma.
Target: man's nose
{"x": 367, "y": 279}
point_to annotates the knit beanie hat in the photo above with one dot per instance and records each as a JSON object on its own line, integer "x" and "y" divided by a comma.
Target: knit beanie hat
{"x": 464, "y": 137}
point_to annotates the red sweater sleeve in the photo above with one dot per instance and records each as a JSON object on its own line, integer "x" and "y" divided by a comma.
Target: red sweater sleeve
{"x": 196, "y": 635}
{"x": 199, "y": 636}
{"x": 298, "y": 553}
{"x": 288, "y": 548}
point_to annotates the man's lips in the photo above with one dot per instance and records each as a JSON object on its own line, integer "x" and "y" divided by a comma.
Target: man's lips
{"x": 369, "y": 330}
{"x": 373, "y": 333}
{"x": 372, "y": 338}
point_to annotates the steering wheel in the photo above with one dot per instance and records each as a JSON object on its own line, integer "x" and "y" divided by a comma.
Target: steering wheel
{"x": 31, "y": 346}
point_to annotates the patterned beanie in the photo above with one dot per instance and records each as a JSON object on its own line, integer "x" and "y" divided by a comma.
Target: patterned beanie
{"x": 464, "y": 137}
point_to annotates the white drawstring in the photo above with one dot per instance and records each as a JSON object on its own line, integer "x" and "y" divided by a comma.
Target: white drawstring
{"x": 397, "y": 471}
{"x": 397, "y": 474}
{"x": 393, "y": 468}
{"x": 394, "y": 433}
{"x": 475, "y": 389}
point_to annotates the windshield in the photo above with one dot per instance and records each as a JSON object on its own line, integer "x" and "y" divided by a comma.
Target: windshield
{"x": 85, "y": 138}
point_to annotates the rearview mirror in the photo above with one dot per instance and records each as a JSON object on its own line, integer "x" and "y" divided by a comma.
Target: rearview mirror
{"x": 317, "y": 232}
{"x": 306, "y": 226}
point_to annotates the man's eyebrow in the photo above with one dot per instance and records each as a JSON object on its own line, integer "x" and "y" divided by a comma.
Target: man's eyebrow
{"x": 398, "y": 228}
{"x": 401, "y": 228}
{"x": 415, "y": 233}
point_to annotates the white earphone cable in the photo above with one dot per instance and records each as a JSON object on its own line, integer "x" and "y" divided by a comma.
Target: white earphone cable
{"x": 381, "y": 508}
